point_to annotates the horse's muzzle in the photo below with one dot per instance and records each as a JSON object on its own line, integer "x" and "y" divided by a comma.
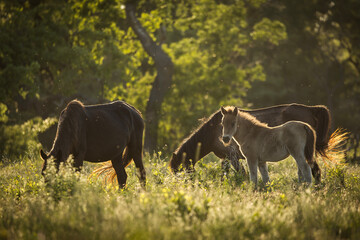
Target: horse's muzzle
{"x": 226, "y": 139}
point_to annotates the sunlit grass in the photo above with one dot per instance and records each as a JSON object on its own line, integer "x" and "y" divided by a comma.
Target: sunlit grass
{"x": 200, "y": 205}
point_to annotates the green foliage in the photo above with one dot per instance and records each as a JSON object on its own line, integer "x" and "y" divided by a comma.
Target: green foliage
{"x": 317, "y": 63}
{"x": 18, "y": 138}
{"x": 273, "y": 31}
{"x": 176, "y": 207}
{"x": 212, "y": 66}
{"x": 3, "y": 109}
{"x": 248, "y": 53}
{"x": 87, "y": 49}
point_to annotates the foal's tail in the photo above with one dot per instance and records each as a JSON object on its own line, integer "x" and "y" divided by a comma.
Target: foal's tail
{"x": 335, "y": 151}
{"x": 107, "y": 169}
{"x": 310, "y": 144}
{"x": 310, "y": 151}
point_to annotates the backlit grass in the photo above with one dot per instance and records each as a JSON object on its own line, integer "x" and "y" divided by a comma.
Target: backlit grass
{"x": 197, "y": 206}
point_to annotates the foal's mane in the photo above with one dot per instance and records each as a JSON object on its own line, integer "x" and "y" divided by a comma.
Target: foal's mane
{"x": 246, "y": 116}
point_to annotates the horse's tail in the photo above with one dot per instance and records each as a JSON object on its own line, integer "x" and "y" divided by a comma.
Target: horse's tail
{"x": 310, "y": 151}
{"x": 106, "y": 169}
{"x": 335, "y": 151}
{"x": 323, "y": 117}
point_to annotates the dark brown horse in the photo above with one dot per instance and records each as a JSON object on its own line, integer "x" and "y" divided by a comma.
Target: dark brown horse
{"x": 98, "y": 133}
{"x": 207, "y": 135}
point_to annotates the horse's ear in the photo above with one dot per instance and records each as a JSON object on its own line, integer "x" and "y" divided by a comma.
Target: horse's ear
{"x": 223, "y": 111}
{"x": 235, "y": 111}
{"x": 43, "y": 155}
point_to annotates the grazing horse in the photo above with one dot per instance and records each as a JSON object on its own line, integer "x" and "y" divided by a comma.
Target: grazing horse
{"x": 208, "y": 134}
{"x": 260, "y": 143}
{"x": 98, "y": 133}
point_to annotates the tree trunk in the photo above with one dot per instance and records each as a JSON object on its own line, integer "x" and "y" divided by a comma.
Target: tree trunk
{"x": 162, "y": 82}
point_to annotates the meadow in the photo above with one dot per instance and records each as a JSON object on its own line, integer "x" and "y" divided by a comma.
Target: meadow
{"x": 198, "y": 206}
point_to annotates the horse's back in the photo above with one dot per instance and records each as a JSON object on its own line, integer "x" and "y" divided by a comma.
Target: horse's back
{"x": 109, "y": 128}
{"x": 114, "y": 111}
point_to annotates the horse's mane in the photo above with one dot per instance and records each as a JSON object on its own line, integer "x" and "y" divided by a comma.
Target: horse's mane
{"x": 201, "y": 132}
{"x": 69, "y": 124}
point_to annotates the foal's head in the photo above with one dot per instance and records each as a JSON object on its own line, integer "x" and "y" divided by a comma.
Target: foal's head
{"x": 229, "y": 122}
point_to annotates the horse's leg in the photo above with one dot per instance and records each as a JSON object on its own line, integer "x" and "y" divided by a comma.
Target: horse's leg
{"x": 263, "y": 168}
{"x": 140, "y": 167}
{"x": 225, "y": 166}
{"x": 120, "y": 170}
{"x": 79, "y": 161}
{"x": 79, "y": 158}
{"x": 221, "y": 152}
{"x": 135, "y": 151}
{"x": 231, "y": 152}
{"x": 316, "y": 172}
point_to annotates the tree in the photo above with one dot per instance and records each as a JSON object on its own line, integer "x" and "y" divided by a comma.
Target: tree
{"x": 161, "y": 84}
{"x": 318, "y": 64}
{"x": 212, "y": 64}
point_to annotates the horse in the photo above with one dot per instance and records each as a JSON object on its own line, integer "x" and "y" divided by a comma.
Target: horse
{"x": 97, "y": 133}
{"x": 209, "y": 132}
{"x": 260, "y": 143}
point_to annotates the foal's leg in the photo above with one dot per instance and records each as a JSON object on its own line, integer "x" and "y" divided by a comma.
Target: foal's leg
{"x": 300, "y": 175}
{"x": 253, "y": 164}
{"x": 263, "y": 168}
{"x": 304, "y": 168}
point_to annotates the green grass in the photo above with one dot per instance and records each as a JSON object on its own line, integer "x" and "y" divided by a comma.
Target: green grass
{"x": 201, "y": 206}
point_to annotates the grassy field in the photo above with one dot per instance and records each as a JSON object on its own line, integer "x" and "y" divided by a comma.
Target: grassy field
{"x": 201, "y": 206}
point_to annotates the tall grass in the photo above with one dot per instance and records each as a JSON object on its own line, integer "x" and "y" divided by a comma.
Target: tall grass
{"x": 197, "y": 206}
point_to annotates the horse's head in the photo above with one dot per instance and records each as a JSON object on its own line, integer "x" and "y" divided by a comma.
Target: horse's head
{"x": 174, "y": 163}
{"x": 46, "y": 157}
{"x": 178, "y": 162}
{"x": 229, "y": 122}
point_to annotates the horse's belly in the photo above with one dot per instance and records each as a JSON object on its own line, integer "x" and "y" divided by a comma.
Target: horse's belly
{"x": 102, "y": 155}
{"x": 104, "y": 151}
{"x": 107, "y": 144}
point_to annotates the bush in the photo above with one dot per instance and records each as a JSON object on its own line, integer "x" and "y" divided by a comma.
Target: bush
{"x": 17, "y": 139}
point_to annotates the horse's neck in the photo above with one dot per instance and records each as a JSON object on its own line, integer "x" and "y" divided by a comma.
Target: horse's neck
{"x": 196, "y": 151}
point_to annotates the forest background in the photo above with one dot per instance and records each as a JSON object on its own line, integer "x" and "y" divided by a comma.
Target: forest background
{"x": 176, "y": 61}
